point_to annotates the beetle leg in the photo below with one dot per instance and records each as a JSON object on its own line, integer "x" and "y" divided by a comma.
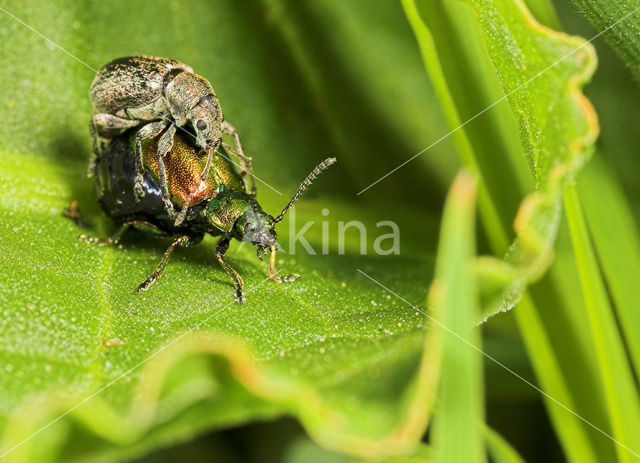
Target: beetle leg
{"x": 239, "y": 153}
{"x": 108, "y": 126}
{"x": 95, "y": 152}
{"x": 151, "y": 130}
{"x": 272, "y": 270}
{"x": 164, "y": 147}
{"x": 157, "y": 273}
{"x": 221, "y": 248}
{"x": 113, "y": 239}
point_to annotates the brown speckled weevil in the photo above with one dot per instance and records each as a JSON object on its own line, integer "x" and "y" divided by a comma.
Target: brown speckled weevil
{"x": 160, "y": 94}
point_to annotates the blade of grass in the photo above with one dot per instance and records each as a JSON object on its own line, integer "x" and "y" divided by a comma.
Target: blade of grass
{"x": 608, "y": 216}
{"x": 620, "y": 391}
{"x": 571, "y": 432}
{"x": 499, "y": 449}
{"x": 567, "y": 329}
{"x": 489, "y": 214}
{"x": 456, "y": 434}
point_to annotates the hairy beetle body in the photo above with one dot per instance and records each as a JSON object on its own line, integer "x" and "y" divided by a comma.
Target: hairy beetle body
{"x": 125, "y": 85}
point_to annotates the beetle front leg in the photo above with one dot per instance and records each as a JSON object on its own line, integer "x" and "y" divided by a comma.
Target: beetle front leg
{"x": 151, "y": 130}
{"x": 221, "y": 249}
{"x": 108, "y": 126}
{"x": 157, "y": 273}
{"x": 247, "y": 167}
{"x": 274, "y": 275}
{"x": 164, "y": 147}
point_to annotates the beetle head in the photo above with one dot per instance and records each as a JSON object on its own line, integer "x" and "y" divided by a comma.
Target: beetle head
{"x": 192, "y": 99}
{"x": 257, "y": 227}
{"x": 206, "y": 119}
{"x": 239, "y": 215}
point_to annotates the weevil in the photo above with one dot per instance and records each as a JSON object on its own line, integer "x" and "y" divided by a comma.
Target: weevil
{"x": 223, "y": 205}
{"x": 160, "y": 95}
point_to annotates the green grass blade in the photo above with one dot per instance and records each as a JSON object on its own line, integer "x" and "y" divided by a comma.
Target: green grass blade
{"x": 489, "y": 213}
{"x": 499, "y": 449}
{"x": 616, "y": 241}
{"x": 549, "y": 371}
{"x": 456, "y": 435}
{"x": 617, "y": 377}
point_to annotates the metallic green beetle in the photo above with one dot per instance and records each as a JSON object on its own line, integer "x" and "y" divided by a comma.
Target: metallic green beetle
{"x": 221, "y": 205}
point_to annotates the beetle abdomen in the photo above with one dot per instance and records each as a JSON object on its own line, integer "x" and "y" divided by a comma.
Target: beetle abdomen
{"x": 131, "y": 82}
{"x": 114, "y": 180}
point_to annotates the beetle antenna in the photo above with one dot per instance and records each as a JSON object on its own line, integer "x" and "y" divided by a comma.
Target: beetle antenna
{"x": 305, "y": 184}
{"x": 254, "y": 203}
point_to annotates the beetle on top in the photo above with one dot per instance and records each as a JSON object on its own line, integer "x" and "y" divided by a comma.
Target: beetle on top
{"x": 161, "y": 95}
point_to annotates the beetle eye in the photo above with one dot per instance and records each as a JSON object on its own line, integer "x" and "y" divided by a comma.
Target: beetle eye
{"x": 201, "y": 125}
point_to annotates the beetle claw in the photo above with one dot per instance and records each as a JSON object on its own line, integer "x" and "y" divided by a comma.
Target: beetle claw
{"x": 239, "y": 296}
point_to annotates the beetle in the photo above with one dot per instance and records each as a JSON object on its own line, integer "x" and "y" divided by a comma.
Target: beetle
{"x": 223, "y": 205}
{"x": 161, "y": 95}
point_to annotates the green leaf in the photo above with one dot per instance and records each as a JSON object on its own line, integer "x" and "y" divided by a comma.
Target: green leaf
{"x": 328, "y": 349}
{"x": 541, "y": 72}
{"x": 332, "y": 350}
